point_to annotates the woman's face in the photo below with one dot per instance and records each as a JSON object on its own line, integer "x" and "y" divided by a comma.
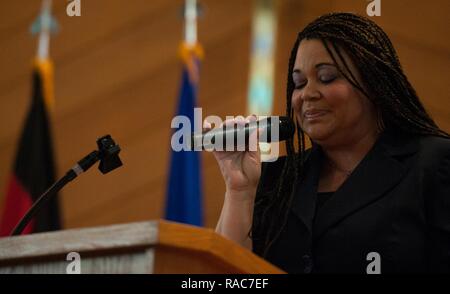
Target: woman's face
{"x": 328, "y": 108}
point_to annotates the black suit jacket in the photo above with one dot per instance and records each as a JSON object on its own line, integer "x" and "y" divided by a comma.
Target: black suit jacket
{"x": 395, "y": 203}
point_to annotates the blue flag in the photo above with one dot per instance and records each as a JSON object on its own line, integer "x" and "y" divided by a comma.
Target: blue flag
{"x": 184, "y": 192}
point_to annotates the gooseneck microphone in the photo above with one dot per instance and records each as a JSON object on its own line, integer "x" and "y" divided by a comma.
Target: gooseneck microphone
{"x": 236, "y": 137}
{"x": 107, "y": 153}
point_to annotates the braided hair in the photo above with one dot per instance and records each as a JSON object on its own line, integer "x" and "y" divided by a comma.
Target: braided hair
{"x": 384, "y": 84}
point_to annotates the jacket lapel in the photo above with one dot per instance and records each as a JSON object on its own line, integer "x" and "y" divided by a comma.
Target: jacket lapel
{"x": 305, "y": 190}
{"x": 376, "y": 174}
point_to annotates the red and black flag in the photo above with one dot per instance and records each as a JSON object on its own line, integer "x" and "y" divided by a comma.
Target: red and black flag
{"x": 34, "y": 170}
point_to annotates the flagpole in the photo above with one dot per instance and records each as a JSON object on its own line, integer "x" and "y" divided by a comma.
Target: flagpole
{"x": 44, "y": 25}
{"x": 190, "y": 49}
{"x": 190, "y": 18}
{"x": 44, "y": 36}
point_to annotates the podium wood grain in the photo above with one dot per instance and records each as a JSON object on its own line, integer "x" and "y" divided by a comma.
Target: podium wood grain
{"x": 144, "y": 247}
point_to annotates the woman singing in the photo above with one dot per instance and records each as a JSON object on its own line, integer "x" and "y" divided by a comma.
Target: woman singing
{"x": 376, "y": 183}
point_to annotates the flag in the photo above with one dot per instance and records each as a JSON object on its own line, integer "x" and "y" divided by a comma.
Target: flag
{"x": 184, "y": 191}
{"x": 34, "y": 169}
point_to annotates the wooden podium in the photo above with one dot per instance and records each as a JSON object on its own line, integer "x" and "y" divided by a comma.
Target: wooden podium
{"x": 146, "y": 247}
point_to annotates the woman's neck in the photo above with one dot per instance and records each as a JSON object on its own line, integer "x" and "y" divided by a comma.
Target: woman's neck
{"x": 345, "y": 157}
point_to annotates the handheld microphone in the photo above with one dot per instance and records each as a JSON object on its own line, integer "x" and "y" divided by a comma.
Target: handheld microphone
{"x": 235, "y": 137}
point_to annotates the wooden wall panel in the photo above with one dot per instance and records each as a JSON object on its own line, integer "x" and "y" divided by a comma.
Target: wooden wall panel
{"x": 117, "y": 71}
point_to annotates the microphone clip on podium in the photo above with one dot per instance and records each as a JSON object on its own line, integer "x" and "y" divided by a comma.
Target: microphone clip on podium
{"x": 107, "y": 154}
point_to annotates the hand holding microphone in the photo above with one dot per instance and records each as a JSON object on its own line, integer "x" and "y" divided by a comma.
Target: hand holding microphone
{"x": 239, "y": 163}
{"x": 234, "y": 135}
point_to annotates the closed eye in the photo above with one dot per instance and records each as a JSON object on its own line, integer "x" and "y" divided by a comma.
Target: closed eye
{"x": 300, "y": 86}
{"x": 327, "y": 80}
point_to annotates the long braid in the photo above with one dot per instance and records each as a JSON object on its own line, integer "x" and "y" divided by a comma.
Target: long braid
{"x": 384, "y": 83}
